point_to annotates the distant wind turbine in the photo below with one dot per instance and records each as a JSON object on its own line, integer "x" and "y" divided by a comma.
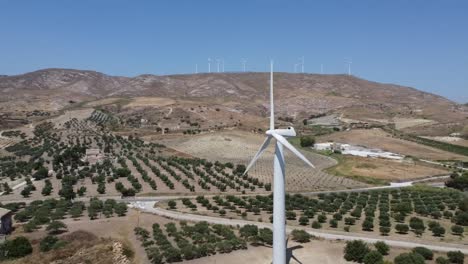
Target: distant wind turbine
{"x": 302, "y": 63}
{"x": 349, "y": 62}
{"x": 217, "y": 64}
{"x": 243, "y": 61}
{"x": 279, "y": 219}
{"x": 209, "y": 65}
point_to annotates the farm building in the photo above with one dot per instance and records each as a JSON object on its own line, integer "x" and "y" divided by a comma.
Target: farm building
{"x": 330, "y": 121}
{"x": 94, "y": 156}
{"x": 347, "y": 149}
{"x": 6, "y": 223}
{"x": 359, "y": 125}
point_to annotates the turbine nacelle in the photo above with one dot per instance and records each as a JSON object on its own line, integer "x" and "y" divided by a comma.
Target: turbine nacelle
{"x": 285, "y": 132}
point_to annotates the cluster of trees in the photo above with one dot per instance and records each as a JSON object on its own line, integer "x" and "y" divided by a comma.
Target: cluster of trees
{"x": 14, "y": 133}
{"x": 396, "y": 209}
{"x": 307, "y": 141}
{"x": 108, "y": 208}
{"x": 256, "y": 235}
{"x": 15, "y": 248}
{"x": 458, "y": 181}
{"x": 51, "y": 242}
{"x": 189, "y": 241}
{"x": 48, "y": 212}
{"x": 359, "y": 251}
{"x": 28, "y": 188}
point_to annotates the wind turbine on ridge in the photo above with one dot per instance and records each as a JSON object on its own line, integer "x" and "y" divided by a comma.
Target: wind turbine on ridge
{"x": 279, "y": 213}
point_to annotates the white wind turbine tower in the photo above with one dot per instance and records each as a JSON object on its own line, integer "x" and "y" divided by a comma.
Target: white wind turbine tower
{"x": 209, "y": 65}
{"x": 243, "y": 61}
{"x": 349, "y": 62}
{"x": 279, "y": 217}
{"x": 302, "y": 63}
{"x": 217, "y": 63}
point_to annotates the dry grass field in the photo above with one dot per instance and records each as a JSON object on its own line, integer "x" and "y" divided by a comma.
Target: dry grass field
{"x": 149, "y": 102}
{"x": 384, "y": 169}
{"x": 402, "y": 123}
{"x": 101, "y": 102}
{"x": 239, "y": 147}
{"x": 376, "y": 138}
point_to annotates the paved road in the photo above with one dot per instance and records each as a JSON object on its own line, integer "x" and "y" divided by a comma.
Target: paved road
{"x": 148, "y": 207}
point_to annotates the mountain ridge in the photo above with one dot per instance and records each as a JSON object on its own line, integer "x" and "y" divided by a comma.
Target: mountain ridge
{"x": 297, "y": 95}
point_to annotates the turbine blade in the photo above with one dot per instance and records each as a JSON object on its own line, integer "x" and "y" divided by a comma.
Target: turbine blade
{"x": 288, "y": 145}
{"x": 259, "y": 153}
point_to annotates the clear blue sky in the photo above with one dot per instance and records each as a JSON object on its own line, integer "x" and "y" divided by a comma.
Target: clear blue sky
{"x": 419, "y": 43}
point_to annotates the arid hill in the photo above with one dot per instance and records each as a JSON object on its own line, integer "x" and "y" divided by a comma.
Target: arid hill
{"x": 297, "y": 95}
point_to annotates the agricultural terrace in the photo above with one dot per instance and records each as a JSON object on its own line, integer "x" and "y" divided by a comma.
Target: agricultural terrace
{"x": 57, "y": 162}
{"x": 415, "y": 213}
{"x": 239, "y": 147}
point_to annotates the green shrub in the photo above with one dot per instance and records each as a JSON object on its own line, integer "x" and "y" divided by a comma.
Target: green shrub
{"x": 16, "y": 248}
{"x": 300, "y": 236}
{"x": 307, "y": 141}
{"x": 382, "y": 247}
{"x": 373, "y": 257}
{"x": 442, "y": 260}
{"x": 47, "y": 243}
{"x": 409, "y": 258}
{"x": 356, "y": 250}
{"x": 456, "y": 257}
{"x": 425, "y": 252}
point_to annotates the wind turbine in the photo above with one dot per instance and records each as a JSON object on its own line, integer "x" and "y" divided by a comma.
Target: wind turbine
{"x": 243, "y": 61}
{"x": 279, "y": 217}
{"x": 217, "y": 63}
{"x": 349, "y": 61}
{"x": 302, "y": 63}
{"x": 209, "y": 65}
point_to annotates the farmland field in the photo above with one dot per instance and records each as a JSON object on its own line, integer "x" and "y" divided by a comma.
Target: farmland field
{"x": 239, "y": 147}
{"x": 414, "y": 214}
{"x": 383, "y": 169}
